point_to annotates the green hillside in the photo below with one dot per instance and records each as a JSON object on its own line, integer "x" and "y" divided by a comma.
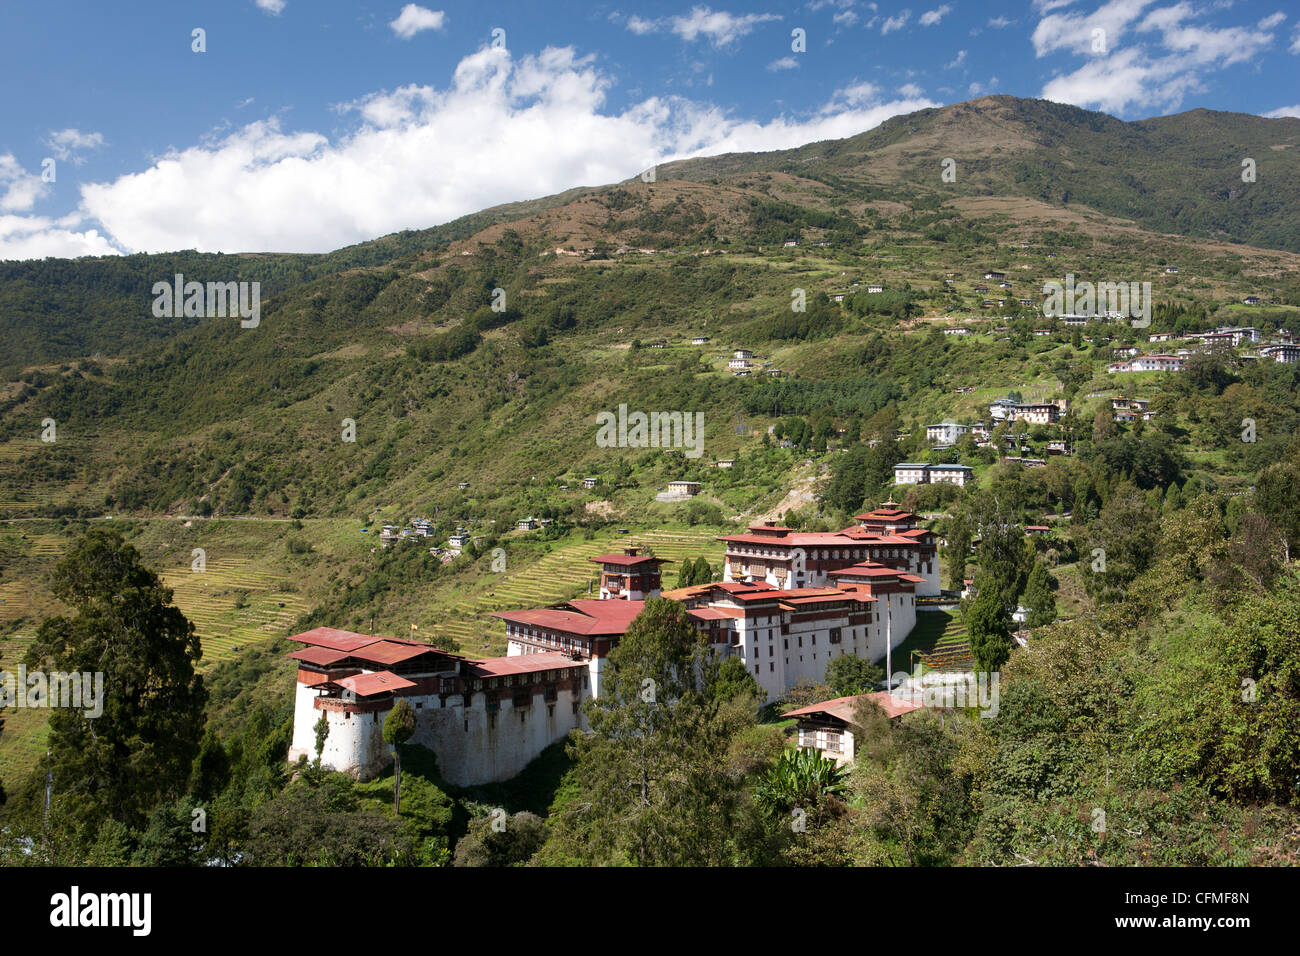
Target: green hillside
{"x": 457, "y": 374}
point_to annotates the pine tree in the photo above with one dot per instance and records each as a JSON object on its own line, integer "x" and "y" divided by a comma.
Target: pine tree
{"x": 652, "y": 773}
{"x": 990, "y": 636}
{"x": 138, "y": 752}
{"x": 1038, "y": 597}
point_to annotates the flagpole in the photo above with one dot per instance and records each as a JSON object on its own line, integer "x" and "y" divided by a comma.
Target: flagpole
{"x": 889, "y": 649}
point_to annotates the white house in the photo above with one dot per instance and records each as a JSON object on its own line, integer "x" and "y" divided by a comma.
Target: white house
{"x": 951, "y": 474}
{"x": 1281, "y": 353}
{"x": 827, "y": 727}
{"x": 911, "y": 473}
{"x": 946, "y": 433}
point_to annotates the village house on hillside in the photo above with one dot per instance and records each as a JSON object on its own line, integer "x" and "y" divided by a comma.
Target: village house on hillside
{"x": 1149, "y": 363}
{"x": 827, "y": 727}
{"x": 740, "y": 359}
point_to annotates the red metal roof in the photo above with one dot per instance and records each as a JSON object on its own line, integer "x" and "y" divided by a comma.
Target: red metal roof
{"x": 865, "y": 571}
{"x": 627, "y": 560}
{"x": 334, "y": 639}
{"x": 715, "y": 613}
{"x": 391, "y": 652}
{"x": 842, "y": 708}
{"x": 884, "y": 514}
{"x": 590, "y": 617}
{"x": 519, "y": 664}
{"x": 320, "y": 656}
{"x": 369, "y": 685}
{"x": 337, "y": 640}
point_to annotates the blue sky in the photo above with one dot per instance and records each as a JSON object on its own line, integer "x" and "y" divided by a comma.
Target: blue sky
{"x": 306, "y": 125}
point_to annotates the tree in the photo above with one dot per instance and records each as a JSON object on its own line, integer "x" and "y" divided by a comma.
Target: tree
{"x": 1103, "y": 425}
{"x": 651, "y": 775}
{"x": 513, "y": 843}
{"x": 1003, "y": 561}
{"x": 1122, "y": 545}
{"x": 989, "y": 634}
{"x": 1038, "y": 597}
{"x": 698, "y": 571}
{"x": 322, "y": 730}
{"x": 1276, "y": 498}
{"x": 957, "y": 551}
{"x": 849, "y": 675}
{"x": 399, "y": 725}
{"x": 735, "y": 680}
{"x": 306, "y": 825}
{"x": 138, "y": 751}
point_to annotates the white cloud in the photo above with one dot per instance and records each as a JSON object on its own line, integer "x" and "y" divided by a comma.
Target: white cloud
{"x": 1284, "y": 111}
{"x": 931, "y": 17}
{"x": 271, "y": 6}
{"x": 1074, "y": 31}
{"x": 1139, "y": 75}
{"x": 957, "y": 61}
{"x": 414, "y": 19}
{"x": 1295, "y": 41}
{"x": 852, "y": 97}
{"x": 1272, "y": 20}
{"x": 998, "y": 23}
{"x": 785, "y": 63}
{"x": 67, "y": 142}
{"x": 895, "y": 23}
{"x": 504, "y": 129}
{"x": 910, "y": 90}
{"x": 641, "y": 26}
{"x": 35, "y": 237}
{"x": 845, "y": 18}
{"x": 718, "y": 27}
{"x": 19, "y": 189}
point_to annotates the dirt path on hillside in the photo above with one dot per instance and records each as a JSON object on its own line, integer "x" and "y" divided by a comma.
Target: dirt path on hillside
{"x": 804, "y": 492}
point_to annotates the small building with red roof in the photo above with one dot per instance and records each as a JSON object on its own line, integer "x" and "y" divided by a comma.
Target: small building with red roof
{"x": 828, "y": 726}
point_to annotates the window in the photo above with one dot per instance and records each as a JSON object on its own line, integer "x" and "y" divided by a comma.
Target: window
{"x": 786, "y": 642}
{"x": 492, "y": 721}
{"x": 771, "y": 668}
{"x": 755, "y": 668}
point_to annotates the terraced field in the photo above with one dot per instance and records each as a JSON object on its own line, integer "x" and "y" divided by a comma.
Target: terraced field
{"x": 233, "y": 604}
{"x": 25, "y": 730}
{"x": 939, "y": 641}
